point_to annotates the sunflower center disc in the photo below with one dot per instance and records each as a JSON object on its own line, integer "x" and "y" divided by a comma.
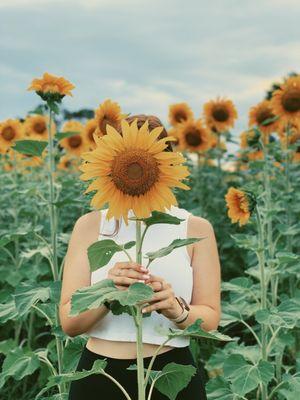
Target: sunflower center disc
{"x": 291, "y": 100}
{"x": 263, "y": 115}
{"x": 75, "y": 141}
{"x": 8, "y": 133}
{"x": 180, "y": 116}
{"x": 220, "y": 114}
{"x": 134, "y": 172}
{"x": 40, "y": 127}
{"x": 193, "y": 138}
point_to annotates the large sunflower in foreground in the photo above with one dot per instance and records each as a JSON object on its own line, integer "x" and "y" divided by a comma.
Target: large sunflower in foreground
{"x": 286, "y": 100}
{"x": 220, "y": 114}
{"x": 108, "y": 113}
{"x": 240, "y": 205}
{"x": 77, "y": 143}
{"x": 51, "y": 87}
{"x": 89, "y": 130}
{"x": 131, "y": 171}
{"x": 263, "y": 117}
{"x": 36, "y": 127}
{"x": 193, "y": 136}
{"x": 180, "y": 112}
{"x": 10, "y": 131}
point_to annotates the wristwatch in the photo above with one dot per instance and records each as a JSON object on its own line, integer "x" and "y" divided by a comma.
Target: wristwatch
{"x": 185, "y": 310}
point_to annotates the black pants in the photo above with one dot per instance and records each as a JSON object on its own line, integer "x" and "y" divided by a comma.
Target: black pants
{"x": 97, "y": 386}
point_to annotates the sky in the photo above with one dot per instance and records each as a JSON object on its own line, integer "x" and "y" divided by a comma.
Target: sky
{"x": 148, "y": 54}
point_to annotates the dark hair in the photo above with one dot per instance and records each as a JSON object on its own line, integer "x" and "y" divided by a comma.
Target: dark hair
{"x": 153, "y": 122}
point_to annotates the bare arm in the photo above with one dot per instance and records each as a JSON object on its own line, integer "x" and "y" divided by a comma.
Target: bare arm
{"x": 77, "y": 274}
{"x": 206, "y": 296}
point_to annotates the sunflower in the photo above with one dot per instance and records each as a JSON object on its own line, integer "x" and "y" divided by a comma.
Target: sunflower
{"x": 220, "y": 114}
{"x": 89, "y": 130}
{"x": 108, "y": 113}
{"x": 286, "y": 100}
{"x": 179, "y": 113}
{"x": 75, "y": 144}
{"x": 263, "y": 117}
{"x": 132, "y": 171}
{"x": 255, "y": 155}
{"x": 51, "y": 87}
{"x": 36, "y": 127}
{"x": 193, "y": 136}
{"x": 67, "y": 163}
{"x": 240, "y": 205}
{"x": 10, "y": 131}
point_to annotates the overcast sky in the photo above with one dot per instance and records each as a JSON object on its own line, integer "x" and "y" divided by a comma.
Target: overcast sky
{"x": 147, "y": 54}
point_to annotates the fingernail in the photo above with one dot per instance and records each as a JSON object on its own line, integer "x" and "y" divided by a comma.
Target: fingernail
{"x": 146, "y": 276}
{"x": 140, "y": 280}
{"x": 143, "y": 310}
{"x": 144, "y": 269}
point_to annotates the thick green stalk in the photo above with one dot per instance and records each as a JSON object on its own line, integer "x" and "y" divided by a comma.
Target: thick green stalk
{"x": 53, "y": 232}
{"x": 139, "y": 323}
{"x": 261, "y": 262}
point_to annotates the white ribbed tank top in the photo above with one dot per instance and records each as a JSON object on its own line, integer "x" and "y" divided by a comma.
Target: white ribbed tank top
{"x": 175, "y": 268}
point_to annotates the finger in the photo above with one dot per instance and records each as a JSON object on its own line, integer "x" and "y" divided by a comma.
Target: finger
{"x": 156, "y": 286}
{"x": 161, "y": 295}
{"x": 161, "y": 305}
{"x": 130, "y": 273}
{"x": 130, "y": 265}
{"x": 123, "y": 280}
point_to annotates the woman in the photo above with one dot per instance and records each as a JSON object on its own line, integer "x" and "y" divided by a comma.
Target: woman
{"x": 186, "y": 285}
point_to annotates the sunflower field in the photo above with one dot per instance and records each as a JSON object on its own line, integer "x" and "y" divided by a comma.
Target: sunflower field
{"x": 251, "y": 196}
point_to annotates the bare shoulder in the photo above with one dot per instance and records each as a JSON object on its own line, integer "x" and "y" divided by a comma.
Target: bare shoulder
{"x": 199, "y": 225}
{"x": 87, "y": 225}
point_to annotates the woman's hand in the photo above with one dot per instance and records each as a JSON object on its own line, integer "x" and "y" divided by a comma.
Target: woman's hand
{"x": 124, "y": 274}
{"x": 163, "y": 301}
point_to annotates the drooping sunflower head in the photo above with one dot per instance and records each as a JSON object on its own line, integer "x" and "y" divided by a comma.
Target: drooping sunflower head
{"x": 240, "y": 204}
{"x": 76, "y": 143}
{"x": 51, "y": 87}
{"x": 193, "y": 136}
{"x": 10, "y": 131}
{"x": 263, "y": 117}
{"x": 220, "y": 114}
{"x": 89, "y": 131}
{"x": 36, "y": 127}
{"x": 108, "y": 113}
{"x": 286, "y": 100}
{"x": 132, "y": 171}
{"x": 180, "y": 112}
{"x": 250, "y": 139}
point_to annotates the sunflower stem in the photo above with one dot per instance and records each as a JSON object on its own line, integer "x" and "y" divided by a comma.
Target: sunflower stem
{"x": 53, "y": 230}
{"x": 261, "y": 261}
{"x": 139, "y": 321}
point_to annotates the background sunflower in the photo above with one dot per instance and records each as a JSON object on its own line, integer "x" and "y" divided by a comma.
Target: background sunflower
{"x": 36, "y": 127}
{"x": 193, "y": 136}
{"x": 220, "y": 114}
{"x": 179, "y": 113}
{"x": 10, "y": 131}
{"x": 108, "y": 113}
{"x": 77, "y": 143}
